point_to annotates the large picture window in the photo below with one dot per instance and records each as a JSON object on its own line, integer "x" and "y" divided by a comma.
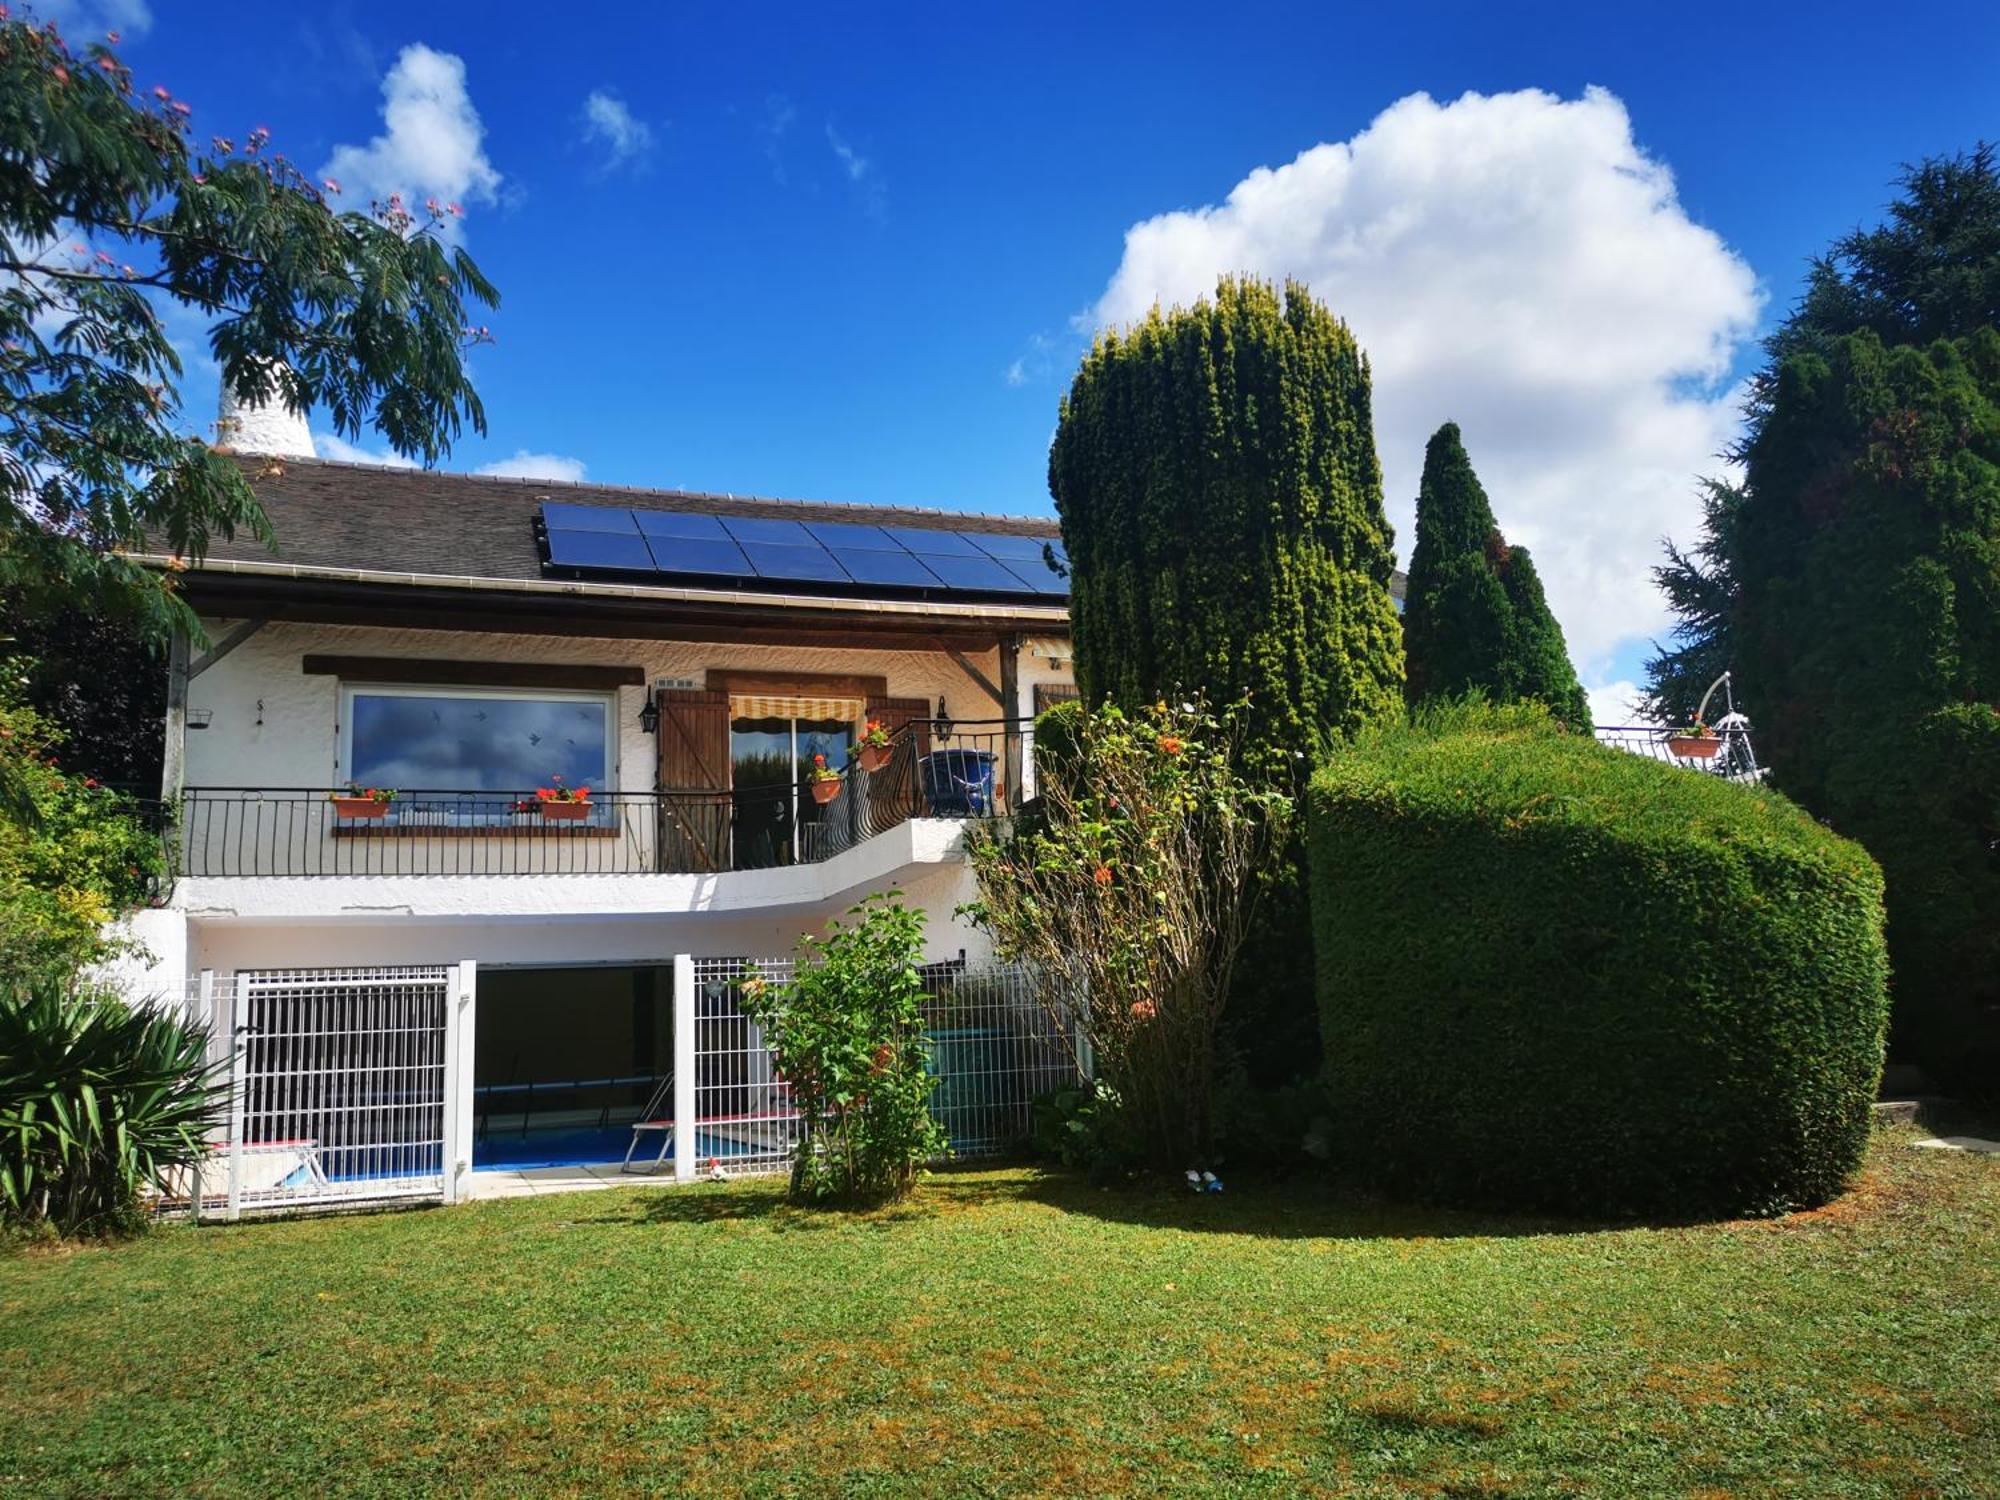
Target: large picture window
{"x": 451, "y": 740}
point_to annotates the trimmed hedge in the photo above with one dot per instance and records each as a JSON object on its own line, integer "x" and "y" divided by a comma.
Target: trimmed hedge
{"x": 1556, "y": 975}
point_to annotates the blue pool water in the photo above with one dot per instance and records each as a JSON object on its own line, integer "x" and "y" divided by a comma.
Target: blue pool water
{"x": 511, "y": 1151}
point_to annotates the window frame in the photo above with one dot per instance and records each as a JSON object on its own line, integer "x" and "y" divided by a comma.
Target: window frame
{"x": 344, "y": 723}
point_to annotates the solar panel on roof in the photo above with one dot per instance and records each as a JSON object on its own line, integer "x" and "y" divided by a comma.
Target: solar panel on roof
{"x": 599, "y": 549}
{"x": 974, "y": 572}
{"x": 941, "y": 543}
{"x": 700, "y": 554}
{"x": 840, "y": 534}
{"x": 557, "y": 515}
{"x": 1038, "y": 575}
{"x": 680, "y": 523}
{"x": 812, "y": 564}
{"x": 1007, "y": 548}
{"x": 897, "y": 569}
{"x": 758, "y": 529}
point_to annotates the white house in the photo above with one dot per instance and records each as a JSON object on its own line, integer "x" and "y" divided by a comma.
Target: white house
{"x": 691, "y": 659}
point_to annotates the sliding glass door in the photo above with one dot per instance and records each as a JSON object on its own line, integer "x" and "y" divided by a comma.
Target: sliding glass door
{"x": 777, "y": 820}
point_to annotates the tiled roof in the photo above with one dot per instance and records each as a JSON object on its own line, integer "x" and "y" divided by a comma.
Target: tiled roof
{"x": 375, "y": 518}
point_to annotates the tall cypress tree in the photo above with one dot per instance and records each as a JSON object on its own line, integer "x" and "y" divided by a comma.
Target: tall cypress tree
{"x": 1476, "y": 618}
{"x": 1215, "y": 472}
{"x": 1214, "y": 468}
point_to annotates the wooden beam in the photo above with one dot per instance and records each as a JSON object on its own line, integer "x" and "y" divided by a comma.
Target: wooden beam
{"x": 226, "y": 645}
{"x": 173, "y": 761}
{"x": 797, "y": 684}
{"x": 402, "y": 606}
{"x": 965, "y": 665}
{"x": 1010, "y": 710}
{"x": 442, "y": 673}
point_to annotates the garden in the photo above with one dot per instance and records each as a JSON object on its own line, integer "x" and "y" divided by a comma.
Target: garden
{"x": 1021, "y": 1330}
{"x": 1527, "y": 1085}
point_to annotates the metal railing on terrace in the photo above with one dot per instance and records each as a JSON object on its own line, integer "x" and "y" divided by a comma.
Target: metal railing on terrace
{"x": 933, "y": 769}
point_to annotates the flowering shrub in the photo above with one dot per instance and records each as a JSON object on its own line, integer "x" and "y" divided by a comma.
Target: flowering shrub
{"x": 1133, "y": 889}
{"x": 849, "y": 1041}
{"x": 821, "y": 771}
{"x": 874, "y": 735}
{"x": 557, "y": 791}
{"x": 73, "y": 855}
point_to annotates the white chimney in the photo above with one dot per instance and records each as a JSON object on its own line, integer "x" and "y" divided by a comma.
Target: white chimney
{"x": 264, "y": 427}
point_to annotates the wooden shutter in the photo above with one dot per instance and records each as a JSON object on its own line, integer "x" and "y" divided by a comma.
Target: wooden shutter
{"x": 694, "y": 759}
{"x": 896, "y": 791}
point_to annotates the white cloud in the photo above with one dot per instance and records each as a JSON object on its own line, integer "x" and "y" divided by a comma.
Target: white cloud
{"x": 1616, "y": 703}
{"x": 432, "y": 144}
{"x": 526, "y": 465}
{"x": 1517, "y": 264}
{"x": 89, "y": 20}
{"x": 335, "y": 448}
{"x": 607, "y": 119}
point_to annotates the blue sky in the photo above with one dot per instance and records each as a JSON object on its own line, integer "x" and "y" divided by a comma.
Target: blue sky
{"x": 853, "y": 252}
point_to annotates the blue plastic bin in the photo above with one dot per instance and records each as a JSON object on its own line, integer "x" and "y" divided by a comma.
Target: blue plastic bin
{"x": 958, "y": 783}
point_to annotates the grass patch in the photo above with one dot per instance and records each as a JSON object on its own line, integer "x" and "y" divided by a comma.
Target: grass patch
{"x": 1013, "y": 1331}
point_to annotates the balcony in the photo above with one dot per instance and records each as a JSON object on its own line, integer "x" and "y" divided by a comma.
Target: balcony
{"x": 934, "y": 770}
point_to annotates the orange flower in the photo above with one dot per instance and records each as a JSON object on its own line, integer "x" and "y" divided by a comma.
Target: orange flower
{"x": 1143, "y": 1010}
{"x": 1169, "y": 744}
{"x": 1103, "y": 875}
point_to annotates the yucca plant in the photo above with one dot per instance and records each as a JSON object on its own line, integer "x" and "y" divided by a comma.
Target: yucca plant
{"x": 98, "y": 1100}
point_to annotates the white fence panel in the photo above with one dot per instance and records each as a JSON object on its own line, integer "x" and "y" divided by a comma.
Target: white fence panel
{"x": 993, "y": 1047}
{"x": 338, "y": 1087}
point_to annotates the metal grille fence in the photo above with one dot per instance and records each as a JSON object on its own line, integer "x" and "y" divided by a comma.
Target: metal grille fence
{"x": 338, "y": 1087}
{"x": 993, "y": 1048}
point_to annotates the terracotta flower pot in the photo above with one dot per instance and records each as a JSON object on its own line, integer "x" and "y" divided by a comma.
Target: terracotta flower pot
{"x": 359, "y": 807}
{"x": 825, "y": 791}
{"x": 1694, "y": 746}
{"x": 874, "y": 758}
{"x": 565, "y": 812}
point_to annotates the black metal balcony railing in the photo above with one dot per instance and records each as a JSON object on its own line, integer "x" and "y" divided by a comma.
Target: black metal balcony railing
{"x": 933, "y": 770}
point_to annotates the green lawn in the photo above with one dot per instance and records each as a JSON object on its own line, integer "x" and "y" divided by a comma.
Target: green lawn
{"x": 1015, "y": 1331}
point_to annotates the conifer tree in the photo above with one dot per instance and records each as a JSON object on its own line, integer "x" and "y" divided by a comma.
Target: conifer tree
{"x": 1475, "y": 619}
{"x": 1215, "y": 471}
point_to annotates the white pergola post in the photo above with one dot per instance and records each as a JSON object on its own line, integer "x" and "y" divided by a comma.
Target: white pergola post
{"x": 461, "y": 1015}
{"x": 684, "y": 1080}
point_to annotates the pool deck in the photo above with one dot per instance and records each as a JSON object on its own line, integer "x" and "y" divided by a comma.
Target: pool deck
{"x": 526, "y": 1182}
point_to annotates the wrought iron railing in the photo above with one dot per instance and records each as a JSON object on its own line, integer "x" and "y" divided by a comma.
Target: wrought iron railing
{"x": 1728, "y": 752}
{"x": 932, "y": 769}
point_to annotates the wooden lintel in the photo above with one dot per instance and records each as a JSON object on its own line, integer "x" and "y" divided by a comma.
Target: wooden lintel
{"x": 797, "y": 684}
{"x": 434, "y": 672}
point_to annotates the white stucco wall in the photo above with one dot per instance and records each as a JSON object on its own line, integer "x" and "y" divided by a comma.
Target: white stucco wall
{"x": 270, "y": 725}
{"x": 226, "y": 943}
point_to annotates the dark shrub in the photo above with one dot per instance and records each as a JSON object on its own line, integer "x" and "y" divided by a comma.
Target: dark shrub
{"x": 1557, "y": 975}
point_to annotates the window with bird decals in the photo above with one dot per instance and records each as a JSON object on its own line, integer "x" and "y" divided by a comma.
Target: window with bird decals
{"x": 446, "y": 745}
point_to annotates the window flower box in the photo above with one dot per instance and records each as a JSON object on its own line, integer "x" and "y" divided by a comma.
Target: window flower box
{"x": 357, "y": 802}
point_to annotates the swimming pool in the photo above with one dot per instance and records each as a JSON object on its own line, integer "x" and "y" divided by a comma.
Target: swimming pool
{"x": 512, "y": 1151}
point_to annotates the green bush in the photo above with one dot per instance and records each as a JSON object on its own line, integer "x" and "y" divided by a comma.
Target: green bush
{"x": 98, "y": 1100}
{"x": 847, "y": 1033}
{"x": 1556, "y": 975}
